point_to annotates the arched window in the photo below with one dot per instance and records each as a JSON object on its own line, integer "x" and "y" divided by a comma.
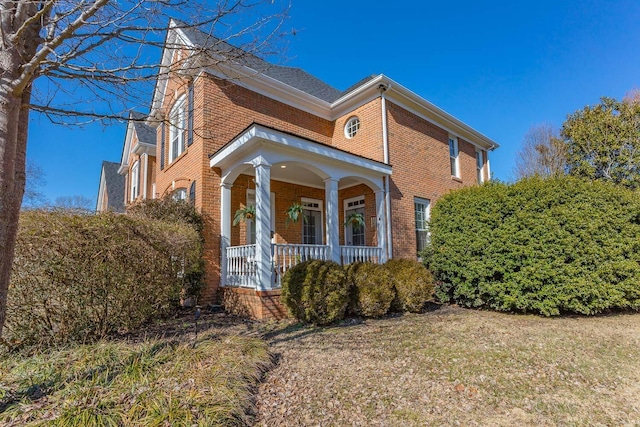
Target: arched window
{"x": 178, "y": 129}
{"x": 179, "y": 194}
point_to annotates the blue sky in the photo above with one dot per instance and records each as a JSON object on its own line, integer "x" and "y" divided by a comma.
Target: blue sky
{"x": 499, "y": 66}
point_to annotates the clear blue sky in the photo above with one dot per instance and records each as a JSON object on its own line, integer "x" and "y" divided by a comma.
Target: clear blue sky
{"x": 499, "y": 66}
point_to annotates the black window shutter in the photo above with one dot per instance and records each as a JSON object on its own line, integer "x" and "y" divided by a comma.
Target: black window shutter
{"x": 192, "y": 193}
{"x": 162, "y": 146}
{"x": 190, "y": 115}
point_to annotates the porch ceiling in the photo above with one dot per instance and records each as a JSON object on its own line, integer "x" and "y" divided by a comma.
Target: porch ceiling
{"x": 297, "y": 174}
{"x": 299, "y": 156}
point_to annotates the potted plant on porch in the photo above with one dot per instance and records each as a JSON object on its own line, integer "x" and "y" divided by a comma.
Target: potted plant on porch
{"x": 295, "y": 211}
{"x": 243, "y": 214}
{"x": 355, "y": 218}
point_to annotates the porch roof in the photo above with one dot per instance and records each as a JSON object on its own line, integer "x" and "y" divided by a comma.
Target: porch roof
{"x": 280, "y": 147}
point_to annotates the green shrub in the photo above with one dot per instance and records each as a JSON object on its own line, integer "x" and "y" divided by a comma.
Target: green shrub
{"x": 548, "y": 246}
{"x": 316, "y": 292}
{"x": 374, "y": 291}
{"x": 413, "y": 284}
{"x": 77, "y": 277}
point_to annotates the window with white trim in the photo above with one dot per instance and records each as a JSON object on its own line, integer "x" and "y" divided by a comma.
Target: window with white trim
{"x": 354, "y": 233}
{"x": 352, "y": 127}
{"x": 135, "y": 181}
{"x": 421, "y": 209}
{"x": 453, "y": 157}
{"x": 479, "y": 165}
{"x": 312, "y": 221}
{"x": 179, "y": 194}
{"x": 177, "y": 129}
{"x": 251, "y": 223}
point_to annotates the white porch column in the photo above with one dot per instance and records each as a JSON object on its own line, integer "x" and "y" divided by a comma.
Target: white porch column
{"x": 263, "y": 223}
{"x": 225, "y": 229}
{"x": 381, "y": 222}
{"x": 333, "y": 218}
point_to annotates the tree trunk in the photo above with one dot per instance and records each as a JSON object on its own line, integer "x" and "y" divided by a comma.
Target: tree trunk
{"x": 13, "y": 138}
{"x": 19, "y": 40}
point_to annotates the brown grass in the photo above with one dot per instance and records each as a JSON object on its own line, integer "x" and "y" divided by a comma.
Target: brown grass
{"x": 457, "y": 367}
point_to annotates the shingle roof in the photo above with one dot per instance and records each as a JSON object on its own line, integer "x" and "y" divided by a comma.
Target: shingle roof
{"x": 294, "y": 77}
{"x": 146, "y": 133}
{"x": 114, "y": 183}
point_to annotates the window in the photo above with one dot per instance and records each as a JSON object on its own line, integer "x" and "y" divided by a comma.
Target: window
{"x": 422, "y": 222}
{"x": 192, "y": 193}
{"x": 135, "y": 181}
{"x": 479, "y": 164}
{"x": 178, "y": 129}
{"x": 251, "y": 224}
{"x": 312, "y": 221}
{"x": 453, "y": 155}
{"x": 352, "y": 127}
{"x": 354, "y": 233}
{"x": 179, "y": 194}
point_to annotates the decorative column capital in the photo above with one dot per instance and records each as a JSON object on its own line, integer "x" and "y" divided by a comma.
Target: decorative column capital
{"x": 260, "y": 161}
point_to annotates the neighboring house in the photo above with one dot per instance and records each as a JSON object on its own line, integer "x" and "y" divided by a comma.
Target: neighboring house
{"x": 244, "y": 132}
{"x": 138, "y": 163}
{"x": 110, "y": 189}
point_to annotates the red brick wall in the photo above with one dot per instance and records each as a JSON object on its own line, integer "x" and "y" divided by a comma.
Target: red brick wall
{"x": 368, "y": 141}
{"x": 419, "y": 154}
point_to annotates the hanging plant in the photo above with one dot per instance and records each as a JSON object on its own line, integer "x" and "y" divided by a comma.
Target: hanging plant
{"x": 244, "y": 214}
{"x": 356, "y": 219}
{"x": 294, "y": 213}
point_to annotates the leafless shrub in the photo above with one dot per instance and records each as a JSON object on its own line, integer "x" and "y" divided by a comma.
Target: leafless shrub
{"x": 77, "y": 278}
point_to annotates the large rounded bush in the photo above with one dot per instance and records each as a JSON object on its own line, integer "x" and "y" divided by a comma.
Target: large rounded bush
{"x": 316, "y": 292}
{"x": 413, "y": 284}
{"x": 373, "y": 286}
{"x": 548, "y": 246}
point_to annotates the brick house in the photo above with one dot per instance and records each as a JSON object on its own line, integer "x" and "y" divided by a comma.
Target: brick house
{"x": 242, "y": 132}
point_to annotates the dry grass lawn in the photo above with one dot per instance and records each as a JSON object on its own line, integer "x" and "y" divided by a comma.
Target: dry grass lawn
{"x": 456, "y": 367}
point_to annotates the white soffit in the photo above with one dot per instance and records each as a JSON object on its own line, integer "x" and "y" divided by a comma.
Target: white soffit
{"x": 307, "y": 150}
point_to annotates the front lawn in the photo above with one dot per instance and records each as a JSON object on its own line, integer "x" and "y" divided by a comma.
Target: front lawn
{"x": 457, "y": 367}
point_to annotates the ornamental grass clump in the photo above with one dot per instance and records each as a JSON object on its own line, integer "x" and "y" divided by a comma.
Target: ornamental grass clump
{"x": 316, "y": 292}
{"x": 413, "y": 284}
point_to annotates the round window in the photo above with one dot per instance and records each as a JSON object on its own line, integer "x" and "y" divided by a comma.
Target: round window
{"x": 352, "y": 127}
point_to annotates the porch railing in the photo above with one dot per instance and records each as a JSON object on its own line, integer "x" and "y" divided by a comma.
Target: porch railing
{"x": 241, "y": 266}
{"x": 351, "y": 254}
{"x": 241, "y": 260}
{"x": 285, "y": 256}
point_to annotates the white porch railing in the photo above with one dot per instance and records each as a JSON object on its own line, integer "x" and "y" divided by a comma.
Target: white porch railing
{"x": 241, "y": 266}
{"x": 351, "y": 254}
{"x": 241, "y": 261}
{"x": 285, "y": 256}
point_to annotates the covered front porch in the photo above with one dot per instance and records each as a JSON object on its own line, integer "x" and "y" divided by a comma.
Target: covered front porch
{"x": 273, "y": 170}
